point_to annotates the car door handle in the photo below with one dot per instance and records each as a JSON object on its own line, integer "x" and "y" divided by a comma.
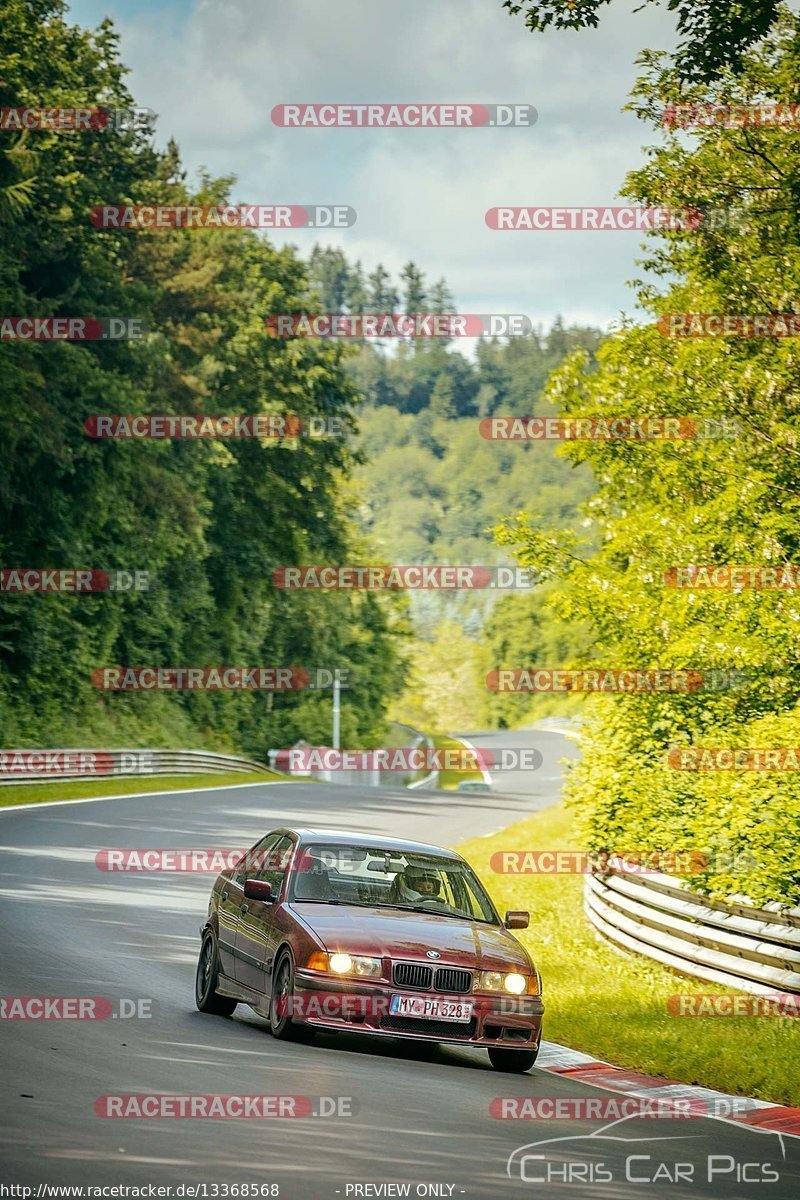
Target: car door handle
{"x": 244, "y": 908}
{"x": 224, "y": 895}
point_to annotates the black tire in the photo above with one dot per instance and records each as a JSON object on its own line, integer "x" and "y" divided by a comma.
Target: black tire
{"x": 513, "y": 1061}
{"x": 205, "y": 984}
{"x": 281, "y": 1024}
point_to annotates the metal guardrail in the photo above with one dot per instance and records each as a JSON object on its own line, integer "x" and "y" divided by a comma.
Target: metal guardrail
{"x": 46, "y": 766}
{"x": 752, "y": 949}
{"x": 406, "y": 737}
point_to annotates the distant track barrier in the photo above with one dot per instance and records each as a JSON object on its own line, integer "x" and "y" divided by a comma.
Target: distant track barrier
{"x": 46, "y": 766}
{"x": 753, "y": 949}
{"x": 402, "y": 737}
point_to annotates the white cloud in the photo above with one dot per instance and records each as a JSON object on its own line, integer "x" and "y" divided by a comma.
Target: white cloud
{"x": 214, "y": 71}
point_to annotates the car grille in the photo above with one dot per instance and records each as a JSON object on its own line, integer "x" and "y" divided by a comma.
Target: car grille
{"x": 412, "y": 975}
{"x": 448, "y": 979}
{"x": 436, "y": 1029}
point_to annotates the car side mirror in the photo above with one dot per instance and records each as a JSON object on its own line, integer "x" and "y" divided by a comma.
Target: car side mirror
{"x": 514, "y": 919}
{"x": 259, "y": 889}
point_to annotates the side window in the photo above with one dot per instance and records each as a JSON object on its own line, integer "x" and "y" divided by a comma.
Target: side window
{"x": 462, "y": 897}
{"x": 244, "y": 867}
{"x": 276, "y": 863}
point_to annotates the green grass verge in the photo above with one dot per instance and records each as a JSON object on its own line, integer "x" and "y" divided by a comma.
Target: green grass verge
{"x": 34, "y": 793}
{"x": 614, "y": 1005}
{"x": 449, "y": 780}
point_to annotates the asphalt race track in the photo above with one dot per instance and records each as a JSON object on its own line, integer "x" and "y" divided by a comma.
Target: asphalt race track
{"x": 420, "y": 1113}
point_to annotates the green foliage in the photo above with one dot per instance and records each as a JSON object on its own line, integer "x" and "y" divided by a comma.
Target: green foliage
{"x": 209, "y": 520}
{"x": 445, "y": 688}
{"x": 505, "y": 378}
{"x": 449, "y": 484}
{"x": 662, "y": 504}
{"x": 715, "y": 37}
{"x": 524, "y": 631}
{"x": 615, "y": 1005}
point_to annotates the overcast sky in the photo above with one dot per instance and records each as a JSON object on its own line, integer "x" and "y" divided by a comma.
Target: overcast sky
{"x": 213, "y": 71}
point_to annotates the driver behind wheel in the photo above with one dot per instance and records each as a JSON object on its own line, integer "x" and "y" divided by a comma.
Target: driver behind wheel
{"x": 415, "y": 884}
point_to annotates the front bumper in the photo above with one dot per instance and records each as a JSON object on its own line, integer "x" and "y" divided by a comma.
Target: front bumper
{"x": 361, "y": 1006}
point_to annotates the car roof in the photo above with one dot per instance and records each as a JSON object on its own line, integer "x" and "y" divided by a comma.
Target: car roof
{"x": 373, "y": 841}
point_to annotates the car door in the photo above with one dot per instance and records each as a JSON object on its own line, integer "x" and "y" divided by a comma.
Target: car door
{"x": 256, "y": 935}
{"x": 231, "y": 900}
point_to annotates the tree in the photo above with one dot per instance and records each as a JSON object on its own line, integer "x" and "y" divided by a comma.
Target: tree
{"x": 713, "y": 499}
{"x": 329, "y": 276}
{"x": 414, "y": 297}
{"x": 208, "y": 520}
{"x": 382, "y": 296}
{"x": 716, "y": 36}
{"x": 444, "y": 689}
{"x": 442, "y": 403}
{"x": 355, "y": 290}
{"x": 441, "y": 298}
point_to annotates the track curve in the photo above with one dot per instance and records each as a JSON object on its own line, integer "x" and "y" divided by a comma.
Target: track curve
{"x": 421, "y": 1113}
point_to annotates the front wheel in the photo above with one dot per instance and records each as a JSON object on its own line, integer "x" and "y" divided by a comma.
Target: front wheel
{"x": 205, "y": 984}
{"x": 513, "y": 1061}
{"x": 281, "y": 1024}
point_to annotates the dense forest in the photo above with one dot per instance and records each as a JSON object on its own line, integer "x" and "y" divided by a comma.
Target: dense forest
{"x": 724, "y": 501}
{"x": 208, "y": 521}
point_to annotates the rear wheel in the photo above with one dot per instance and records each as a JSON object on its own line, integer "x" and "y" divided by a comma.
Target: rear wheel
{"x": 281, "y": 1024}
{"x": 514, "y": 1061}
{"x": 205, "y": 985}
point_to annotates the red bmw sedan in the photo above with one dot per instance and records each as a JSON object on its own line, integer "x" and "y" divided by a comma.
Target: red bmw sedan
{"x": 328, "y": 930}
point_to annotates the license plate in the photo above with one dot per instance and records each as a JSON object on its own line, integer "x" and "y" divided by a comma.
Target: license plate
{"x": 433, "y": 1009}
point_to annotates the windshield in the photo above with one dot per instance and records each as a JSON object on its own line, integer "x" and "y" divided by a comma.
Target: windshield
{"x": 365, "y": 876}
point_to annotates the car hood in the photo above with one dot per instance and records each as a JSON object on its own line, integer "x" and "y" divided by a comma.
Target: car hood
{"x": 379, "y": 931}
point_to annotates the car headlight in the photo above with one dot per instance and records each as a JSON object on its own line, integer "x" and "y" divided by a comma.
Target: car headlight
{"x": 513, "y": 982}
{"x": 346, "y": 964}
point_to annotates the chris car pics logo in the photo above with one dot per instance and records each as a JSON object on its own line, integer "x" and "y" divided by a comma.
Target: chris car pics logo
{"x": 649, "y": 1159}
